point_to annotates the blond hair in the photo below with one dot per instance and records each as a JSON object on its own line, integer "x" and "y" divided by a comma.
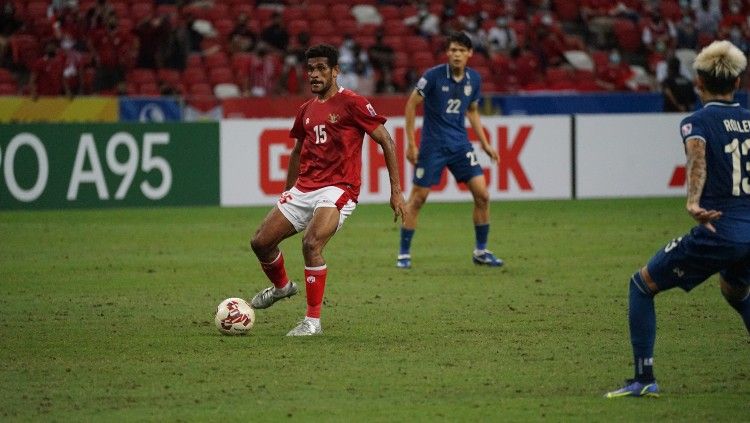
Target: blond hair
{"x": 720, "y": 59}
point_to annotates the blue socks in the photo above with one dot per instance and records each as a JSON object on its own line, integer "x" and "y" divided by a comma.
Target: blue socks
{"x": 743, "y": 307}
{"x": 642, "y": 319}
{"x": 481, "y": 232}
{"x": 406, "y": 236}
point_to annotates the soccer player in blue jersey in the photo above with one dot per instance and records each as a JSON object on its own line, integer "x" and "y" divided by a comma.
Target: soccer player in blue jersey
{"x": 717, "y": 146}
{"x": 450, "y": 93}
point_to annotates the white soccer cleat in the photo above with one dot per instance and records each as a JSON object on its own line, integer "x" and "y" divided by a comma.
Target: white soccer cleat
{"x": 307, "y": 327}
{"x": 270, "y": 295}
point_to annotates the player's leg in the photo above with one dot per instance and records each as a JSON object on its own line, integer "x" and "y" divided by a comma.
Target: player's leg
{"x": 427, "y": 172}
{"x": 735, "y": 286}
{"x": 322, "y": 227}
{"x": 282, "y": 222}
{"x": 681, "y": 263}
{"x": 417, "y": 198}
{"x": 466, "y": 168}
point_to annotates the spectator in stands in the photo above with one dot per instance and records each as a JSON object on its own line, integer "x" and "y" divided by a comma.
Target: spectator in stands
{"x": 424, "y": 22}
{"x": 501, "y": 38}
{"x": 386, "y": 84}
{"x": 658, "y": 35}
{"x": 112, "y": 50}
{"x": 8, "y": 26}
{"x": 616, "y": 74}
{"x": 275, "y": 34}
{"x": 153, "y": 35}
{"x": 177, "y": 47}
{"x": 679, "y": 95}
{"x": 598, "y": 23}
{"x": 242, "y": 38}
{"x": 687, "y": 36}
{"x": 739, "y": 37}
{"x": 381, "y": 54}
{"x": 260, "y": 79}
{"x": 97, "y": 15}
{"x": 47, "y": 73}
{"x": 707, "y": 19}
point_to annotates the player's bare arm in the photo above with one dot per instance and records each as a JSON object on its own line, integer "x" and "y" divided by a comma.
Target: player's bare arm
{"x": 291, "y": 176}
{"x": 412, "y": 152}
{"x": 382, "y": 137}
{"x": 472, "y": 113}
{"x": 695, "y": 150}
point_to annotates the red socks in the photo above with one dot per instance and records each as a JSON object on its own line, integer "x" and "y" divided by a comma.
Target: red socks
{"x": 315, "y": 285}
{"x": 276, "y": 272}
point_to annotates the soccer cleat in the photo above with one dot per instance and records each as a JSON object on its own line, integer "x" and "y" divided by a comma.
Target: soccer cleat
{"x": 486, "y": 258}
{"x": 306, "y": 327}
{"x": 633, "y": 388}
{"x": 403, "y": 261}
{"x": 270, "y": 295}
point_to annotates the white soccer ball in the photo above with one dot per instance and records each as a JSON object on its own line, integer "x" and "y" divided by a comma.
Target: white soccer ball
{"x": 234, "y": 316}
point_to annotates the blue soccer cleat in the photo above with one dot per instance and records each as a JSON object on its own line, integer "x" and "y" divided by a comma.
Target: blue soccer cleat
{"x": 486, "y": 258}
{"x": 633, "y": 388}
{"x": 403, "y": 261}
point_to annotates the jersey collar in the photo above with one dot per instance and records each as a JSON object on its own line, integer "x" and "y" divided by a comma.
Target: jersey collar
{"x": 721, "y": 103}
{"x": 449, "y": 76}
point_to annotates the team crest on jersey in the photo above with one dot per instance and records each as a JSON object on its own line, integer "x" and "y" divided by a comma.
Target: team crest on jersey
{"x": 307, "y": 121}
{"x": 419, "y": 172}
{"x": 333, "y": 118}
{"x": 467, "y": 90}
{"x": 687, "y": 129}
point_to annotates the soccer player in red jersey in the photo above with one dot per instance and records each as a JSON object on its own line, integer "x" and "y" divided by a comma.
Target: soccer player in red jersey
{"x": 322, "y": 184}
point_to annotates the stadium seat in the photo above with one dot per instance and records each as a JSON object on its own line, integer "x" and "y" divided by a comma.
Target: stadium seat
{"x": 364, "y": 40}
{"x": 219, "y": 10}
{"x": 201, "y": 89}
{"x": 478, "y": 60}
{"x": 627, "y": 34}
{"x": 217, "y": 59}
{"x": 7, "y": 77}
{"x": 141, "y": 9}
{"x": 400, "y": 59}
{"x": 389, "y": 12}
{"x": 322, "y": 28}
{"x": 192, "y": 76}
{"x": 567, "y": 10}
{"x": 220, "y": 75}
{"x": 670, "y": 9}
{"x": 396, "y": 42}
{"x": 149, "y": 89}
{"x": 25, "y": 49}
{"x": 348, "y": 26}
{"x": 294, "y": 13}
{"x": 36, "y": 9}
{"x": 296, "y": 26}
{"x": 423, "y": 59}
{"x": 194, "y": 60}
{"x": 317, "y": 11}
{"x": 7, "y": 88}
{"x": 240, "y": 8}
{"x": 224, "y": 27}
{"x": 121, "y": 9}
{"x": 241, "y": 62}
{"x": 415, "y": 43}
{"x": 140, "y": 76}
{"x": 396, "y": 27}
{"x": 340, "y": 12}
{"x": 170, "y": 76}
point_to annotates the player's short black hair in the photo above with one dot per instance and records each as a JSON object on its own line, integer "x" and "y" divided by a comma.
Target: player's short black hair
{"x": 459, "y": 38}
{"x": 718, "y": 84}
{"x": 324, "y": 50}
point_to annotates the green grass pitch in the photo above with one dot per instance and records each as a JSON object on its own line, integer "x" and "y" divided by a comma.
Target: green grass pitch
{"x": 108, "y": 316}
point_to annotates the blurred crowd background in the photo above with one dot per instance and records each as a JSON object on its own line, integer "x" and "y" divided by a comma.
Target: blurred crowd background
{"x": 230, "y": 48}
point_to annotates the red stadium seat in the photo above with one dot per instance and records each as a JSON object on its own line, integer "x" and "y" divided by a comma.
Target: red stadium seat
{"x": 224, "y": 27}
{"x": 121, "y": 9}
{"x": 627, "y": 34}
{"x": 218, "y": 11}
{"x": 389, "y": 12}
{"x": 7, "y": 88}
{"x": 201, "y": 89}
{"x": 220, "y": 75}
{"x": 192, "y": 76}
{"x": 240, "y": 8}
{"x": 141, "y": 9}
{"x": 170, "y": 76}
{"x": 36, "y": 9}
{"x": 149, "y": 89}
{"x": 478, "y": 60}
{"x": 241, "y": 62}
{"x": 422, "y": 59}
{"x": 317, "y": 11}
{"x": 296, "y": 26}
{"x": 396, "y": 42}
{"x": 567, "y": 10}
{"x": 7, "y": 77}
{"x": 195, "y": 60}
{"x": 415, "y": 43}
{"x": 347, "y": 26}
{"x": 340, "y": 12}
{"x": 322, "y": 28}
{"x": 25, "y": 49}
{"x": 140, "y": 76}
{"x": 294, "y": 13}
{"x": 396, "y": 27}
{"x": 366, "y": 41}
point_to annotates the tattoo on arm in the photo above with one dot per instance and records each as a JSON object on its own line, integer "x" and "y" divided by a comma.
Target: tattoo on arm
{"x": 696, "y": 169}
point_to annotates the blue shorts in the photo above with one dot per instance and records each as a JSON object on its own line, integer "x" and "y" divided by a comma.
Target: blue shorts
{"x": 430, "y": 164}
{"x": 687, "y": 261}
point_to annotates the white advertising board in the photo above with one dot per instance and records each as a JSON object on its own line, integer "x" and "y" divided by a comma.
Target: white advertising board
{"x": 633, "y": 155}
{"x": 535, "y": 161}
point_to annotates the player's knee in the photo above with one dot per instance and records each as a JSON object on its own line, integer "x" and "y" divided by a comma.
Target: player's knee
{"x": 257, "y": 244}
{"x": 638, "y": 283}
{"x": 482, "y": 199}
{"x": 311, "y": 246}
{"x": 733, "y": 294}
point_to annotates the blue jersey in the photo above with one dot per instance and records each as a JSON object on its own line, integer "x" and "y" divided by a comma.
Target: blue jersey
{"x": 445, "y": 103}
{"x": 725, "y": 128}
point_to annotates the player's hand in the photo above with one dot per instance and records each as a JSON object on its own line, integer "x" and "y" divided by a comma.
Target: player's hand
{"x": 491, "y": 152}
{"x": 703, "y": 216}
{"x": 412, "y": 153}
{"x": 399, "y": 206}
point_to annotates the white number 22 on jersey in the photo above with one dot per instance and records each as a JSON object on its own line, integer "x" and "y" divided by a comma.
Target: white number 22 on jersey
{"x": 320, "y": 134}
{"x": 454, "y": 105}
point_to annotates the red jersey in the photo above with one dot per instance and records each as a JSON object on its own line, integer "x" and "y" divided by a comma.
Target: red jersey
{"x": 332, "y": 133}
{"x": 49, "y": 75}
